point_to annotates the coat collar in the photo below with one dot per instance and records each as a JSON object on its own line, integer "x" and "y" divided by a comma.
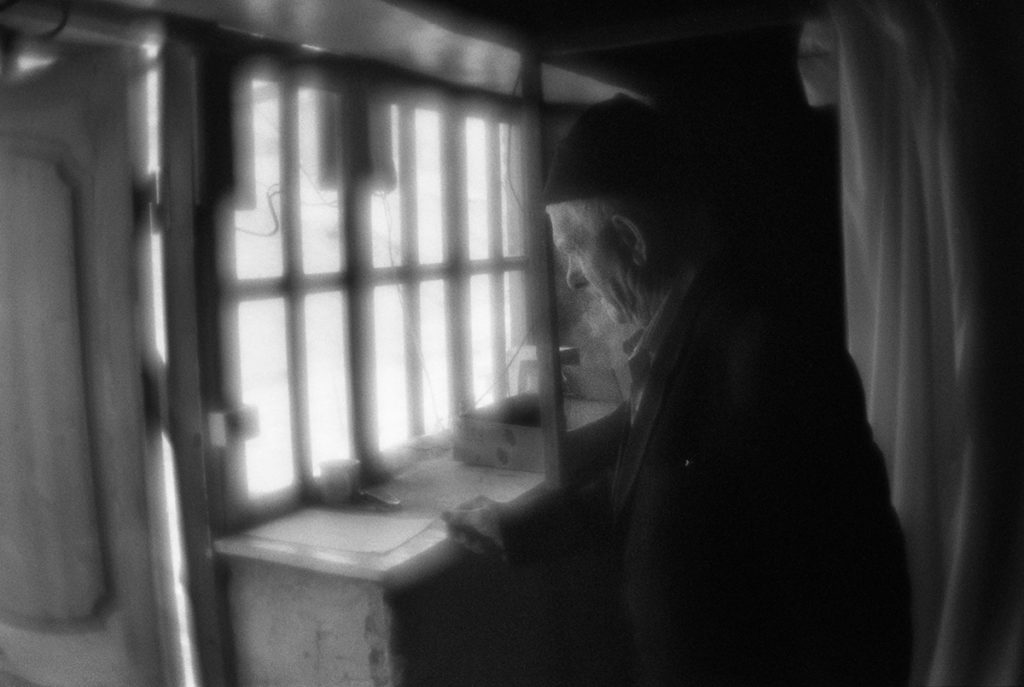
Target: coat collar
{"x": 673, "y": 336}
{"x": 643, "y": 346}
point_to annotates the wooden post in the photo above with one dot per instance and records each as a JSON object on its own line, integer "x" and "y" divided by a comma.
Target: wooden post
{"x": 185, "y": 423}
{"x": 541, "y": 286}
{"x": 453, "y": 188}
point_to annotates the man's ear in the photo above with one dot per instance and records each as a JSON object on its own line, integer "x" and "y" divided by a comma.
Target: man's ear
{"x": 632, "y": 239}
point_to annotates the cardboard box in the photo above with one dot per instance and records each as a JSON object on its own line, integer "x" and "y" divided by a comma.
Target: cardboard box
{"x": 505, "y": 435}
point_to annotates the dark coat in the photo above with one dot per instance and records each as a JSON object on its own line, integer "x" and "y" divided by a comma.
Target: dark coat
{"x": 748, "y": 502}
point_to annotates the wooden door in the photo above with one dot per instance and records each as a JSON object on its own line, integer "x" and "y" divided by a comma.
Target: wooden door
{"x": 78, "y": 597}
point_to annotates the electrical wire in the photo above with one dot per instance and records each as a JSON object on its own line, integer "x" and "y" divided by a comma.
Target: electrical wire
{"x": 508, "y": 365}
{"x": 273, "y": 192}
{"x": 417, "y": 343}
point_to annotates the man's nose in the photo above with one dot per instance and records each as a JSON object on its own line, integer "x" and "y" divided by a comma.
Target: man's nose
{"x": 574, "y": 276}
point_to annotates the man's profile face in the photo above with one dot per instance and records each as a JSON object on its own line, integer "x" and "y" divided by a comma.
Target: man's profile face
{"x": 594, "y": 257}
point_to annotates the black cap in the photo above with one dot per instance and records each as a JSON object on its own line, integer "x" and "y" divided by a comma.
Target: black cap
{"x": 618, "y": 148}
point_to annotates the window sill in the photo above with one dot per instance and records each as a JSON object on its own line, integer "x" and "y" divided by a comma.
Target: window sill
{"x": 390, "y": 548}
{"x": 396, "y": 547}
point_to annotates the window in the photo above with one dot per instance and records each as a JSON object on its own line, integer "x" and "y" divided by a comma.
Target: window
{"x": 371, "y": 270}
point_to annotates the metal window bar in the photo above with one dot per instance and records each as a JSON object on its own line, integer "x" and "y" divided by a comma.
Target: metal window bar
{"x": 353, "y": 133}
{"x": 494, "y": 216}
{"x": 410, "y": 256}
{"x": 337, "y": 167}
{"x": 359, "y": 278}
{"x": 298, "y": 384}
{"x": 453, "y": 186}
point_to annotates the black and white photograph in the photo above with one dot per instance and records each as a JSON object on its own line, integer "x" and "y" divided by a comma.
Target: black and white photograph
{"x": 511, "y": 343}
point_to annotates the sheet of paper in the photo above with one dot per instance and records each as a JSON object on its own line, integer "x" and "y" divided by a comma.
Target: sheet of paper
{"x": 344, "y": 531}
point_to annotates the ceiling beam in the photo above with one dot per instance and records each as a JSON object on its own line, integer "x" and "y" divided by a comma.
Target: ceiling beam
{"x": 673, "y": 28}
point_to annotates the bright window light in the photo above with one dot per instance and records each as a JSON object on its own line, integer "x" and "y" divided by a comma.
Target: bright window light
{"x": 322, "y": 249}
{"x": 482, "y": 332}
{"x": 258, "y": 248}
{"x": 392, "y": 391}
{"x": 433, "y": 345}
{"x": 386, "y": 207}
{"x": 429, "y": 202}
{"x": 327, "y": 362}
{"x": 478, "y": 219}
{"x": 263, "y": 361}
{"x": 515, "y": 324}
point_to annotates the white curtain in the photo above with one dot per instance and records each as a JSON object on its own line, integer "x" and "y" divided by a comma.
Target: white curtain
{"x": 931, "y": 119}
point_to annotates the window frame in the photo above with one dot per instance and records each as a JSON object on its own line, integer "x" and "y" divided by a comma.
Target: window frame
{"x": 361, "y": 90}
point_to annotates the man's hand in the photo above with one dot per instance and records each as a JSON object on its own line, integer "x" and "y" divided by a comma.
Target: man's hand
{"x": 474, "y": 525}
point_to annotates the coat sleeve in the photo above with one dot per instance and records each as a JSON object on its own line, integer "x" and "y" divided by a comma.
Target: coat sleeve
{"x": 575, "y": 517}
{"x": 763, "y": 547}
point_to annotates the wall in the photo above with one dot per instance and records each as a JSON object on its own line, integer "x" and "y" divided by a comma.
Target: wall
{"x": 474, "y": 622}
{"x": 298, "y": 628}
{"x": 772, "y": 157}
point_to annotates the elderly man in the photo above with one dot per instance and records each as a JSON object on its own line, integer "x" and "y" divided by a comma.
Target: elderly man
{"x": 743, "y": 492}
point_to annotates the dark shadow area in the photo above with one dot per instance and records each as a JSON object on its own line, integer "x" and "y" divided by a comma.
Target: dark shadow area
{"x": 482, "y": 623}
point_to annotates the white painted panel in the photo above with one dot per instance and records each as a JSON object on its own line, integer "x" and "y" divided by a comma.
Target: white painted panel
{"x": 49, "y": 541}
{"x": 73, "y": 347}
